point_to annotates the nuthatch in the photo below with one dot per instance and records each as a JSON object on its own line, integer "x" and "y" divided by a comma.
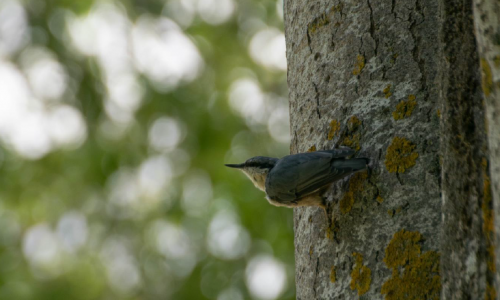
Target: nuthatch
{"x": 300, "y": 179}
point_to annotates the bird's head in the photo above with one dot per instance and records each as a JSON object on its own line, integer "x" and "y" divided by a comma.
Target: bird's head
{"x": 256, "y": 168}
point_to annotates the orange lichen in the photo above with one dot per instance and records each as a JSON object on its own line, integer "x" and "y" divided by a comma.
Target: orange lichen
{"x": 359, "y": 65}
{"x": 420, "y": 278}
{"x": 400, "y": 155}
{"x": 361, "y": 276}
{"x": 334, "y": 129}
{"x": 404, "y": 108}
{"x": 438, "y": 112}
{"x": 355, "y": 187}
{"x": 387, "y": 91}
{"x": 333, "y": 275}
{"x": 379, "y": 199}
{"x": 312, "y": 149}
{"x": 487, "y": 77}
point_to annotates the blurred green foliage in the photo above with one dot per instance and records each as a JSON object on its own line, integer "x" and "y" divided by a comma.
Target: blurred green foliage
{"x": 121, "y": 256}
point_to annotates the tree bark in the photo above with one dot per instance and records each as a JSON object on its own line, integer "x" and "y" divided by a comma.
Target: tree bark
{"x": 487, "y": 25}
{"x": 398, "y": 81}
{"x": 465, "y": 233}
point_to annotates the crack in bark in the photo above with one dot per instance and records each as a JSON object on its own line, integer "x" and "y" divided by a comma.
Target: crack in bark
{"x": 416, "y": 49}
{"x": 429, "y": 114}
{"x": 373, "y": 184}
{"x": 317, "y": 100}
{"x": 316, "y": 277}
{"x": 372, "y": 26}
{"x": 309, "y": 39}
{"x": 399, "y": 179}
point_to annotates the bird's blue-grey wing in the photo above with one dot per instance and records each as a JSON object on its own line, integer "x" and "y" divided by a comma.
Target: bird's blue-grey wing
{"x": 339, "y": 152}
{"x": 296, "y": 176}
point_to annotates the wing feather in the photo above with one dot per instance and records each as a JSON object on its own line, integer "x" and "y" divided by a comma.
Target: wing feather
{"x": 299, "y": 175}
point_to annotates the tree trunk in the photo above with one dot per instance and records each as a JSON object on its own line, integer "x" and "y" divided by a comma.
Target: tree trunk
{"x": 487, "y": 25}
{"x": 398, "y": 82}
{"x": 467, "y": 236}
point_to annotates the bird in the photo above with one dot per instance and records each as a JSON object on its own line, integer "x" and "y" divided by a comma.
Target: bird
{"x": 300, "y": 179}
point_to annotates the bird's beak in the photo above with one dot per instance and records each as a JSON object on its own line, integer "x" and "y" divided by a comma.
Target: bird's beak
{"x": 236, "y": 166}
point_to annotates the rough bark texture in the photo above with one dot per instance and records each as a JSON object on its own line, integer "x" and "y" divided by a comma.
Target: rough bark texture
{"x": 365, "y": 72}
{"x": 376, "y": 76}
{"x": 487, "y": 25}
{"x": 465, "y": 237}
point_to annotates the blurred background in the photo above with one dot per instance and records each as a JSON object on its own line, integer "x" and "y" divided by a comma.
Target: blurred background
{"x": 116, "y": 119}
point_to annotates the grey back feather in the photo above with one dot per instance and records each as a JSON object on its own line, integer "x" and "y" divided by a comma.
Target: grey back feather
{"x": 296, "y": 176}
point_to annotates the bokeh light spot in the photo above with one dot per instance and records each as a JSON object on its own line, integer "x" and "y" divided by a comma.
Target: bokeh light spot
{"x": 265, "y": 277}
{"x": 226, "y": 238}
{"x": 165, "y": 134}
{"x": 268, "y": 48}
{"x": 72, "y": 230}
{"x": 164, "y": 53}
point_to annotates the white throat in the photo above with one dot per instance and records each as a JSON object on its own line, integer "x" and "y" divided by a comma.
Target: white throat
{"x": 257, "y": 176}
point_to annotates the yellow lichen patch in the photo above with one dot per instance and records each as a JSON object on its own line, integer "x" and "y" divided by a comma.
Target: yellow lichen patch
{"x": 487, "y": 77}
{"x": 330, "y": 231}
{"x": 311, "y": 250}
{"x": 355, "y": 187}
{"x": 488, "y": 219}
{"x": 387, "y": 91}
{"x": 491, "y": 292}
{"x": 353, "y": 123}
{"x": 393, "y": 59}
{"x": 351, "y": 139}
{"x": 346, "y": 202}
{"x": 404, "y": 108}
{"x": 496, "y": 61}
{"x": 361, "y": 276}
{"x": 323, "y": 20}
{"x": 337, "y": 8}
{"x": 438, "y": 112}
{"x": 420, "y": 278}
{"x": 490, "y": 250}
{"x": 359, "y": 65}
{"x": 379, "y": 199}
{"x": 403, "y": 248}
{"x": 334, "y": 129}
{"x": 333, "y": 275}
{"x": 390, "y": 212}
{"x": 400, "y": 155}
{"x": 312, "y": 149}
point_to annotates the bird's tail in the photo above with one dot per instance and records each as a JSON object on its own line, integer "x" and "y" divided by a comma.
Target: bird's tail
{"x": 356, "y": 164}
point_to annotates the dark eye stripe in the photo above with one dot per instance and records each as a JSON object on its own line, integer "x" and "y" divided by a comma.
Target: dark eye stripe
{"x": 256, "y": 165}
